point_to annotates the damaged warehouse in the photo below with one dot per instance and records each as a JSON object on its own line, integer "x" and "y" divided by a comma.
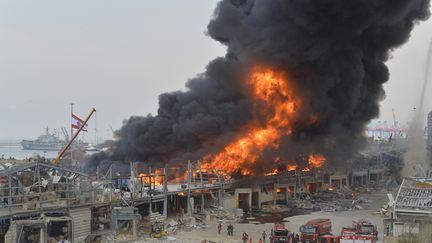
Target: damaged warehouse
{"x": 44, "y": 202}
{"x": 411, "y": 215}
{"x": 41, "y": 201}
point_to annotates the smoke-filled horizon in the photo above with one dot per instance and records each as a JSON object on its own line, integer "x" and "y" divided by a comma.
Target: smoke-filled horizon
{"x": 416, "y": 162}
{"x": 332, "y": 53}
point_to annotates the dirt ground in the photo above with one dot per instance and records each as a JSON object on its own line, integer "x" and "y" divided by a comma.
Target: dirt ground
{"x": 339, "y": 219}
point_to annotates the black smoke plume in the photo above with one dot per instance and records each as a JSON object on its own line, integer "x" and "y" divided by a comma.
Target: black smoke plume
{"x": 335, "y": 50}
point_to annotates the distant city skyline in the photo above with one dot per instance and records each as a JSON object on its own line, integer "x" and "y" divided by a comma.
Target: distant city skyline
{"x": 119, "y": 56}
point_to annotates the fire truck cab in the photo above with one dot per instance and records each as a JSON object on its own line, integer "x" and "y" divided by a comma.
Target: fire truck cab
{"x": 279, "y": 234}
{"x": 355, "y": 235}
{"x": 365, "y": 227}
{"x": 314, "y": 230}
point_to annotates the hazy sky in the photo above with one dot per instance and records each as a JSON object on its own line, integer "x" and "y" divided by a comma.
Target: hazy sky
{"x": 118, "y": 56}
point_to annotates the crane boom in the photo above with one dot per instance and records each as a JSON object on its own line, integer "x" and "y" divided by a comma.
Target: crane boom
{"x": 60, "y": 154}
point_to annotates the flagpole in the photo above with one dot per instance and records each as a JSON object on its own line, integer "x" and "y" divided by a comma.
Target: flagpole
{"x": 71, "y": 153}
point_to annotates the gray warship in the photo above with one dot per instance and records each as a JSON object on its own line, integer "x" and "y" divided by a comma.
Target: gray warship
{"x": 45, "y": 142}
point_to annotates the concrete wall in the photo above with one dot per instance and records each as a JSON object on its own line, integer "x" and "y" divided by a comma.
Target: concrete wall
{"x": 239, "y": 191}
{"x": 229, "y": 202}
{"x": 264, "y": 197}
{"x": 338, "y": 181}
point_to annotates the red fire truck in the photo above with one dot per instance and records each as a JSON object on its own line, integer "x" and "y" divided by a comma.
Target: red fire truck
{"x": 279, "y": 234}
{"x": 313, "y": 230}
{"x": 348, "y": 235}
{"x": 347, "y": 239}
{"x": 365, "y": 227}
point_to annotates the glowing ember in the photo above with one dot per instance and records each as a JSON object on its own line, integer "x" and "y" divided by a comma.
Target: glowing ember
{"x": 316, "y": 160}
{"x": 274, "y": 172}
{"x": 291, "y": 167}
{"x": 273, "y": 100}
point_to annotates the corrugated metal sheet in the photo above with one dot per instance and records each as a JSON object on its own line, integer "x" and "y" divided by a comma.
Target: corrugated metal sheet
{"x": 415, "y": 193}
{"x": 81, "y": 222}
{"x": 11, "y": 235}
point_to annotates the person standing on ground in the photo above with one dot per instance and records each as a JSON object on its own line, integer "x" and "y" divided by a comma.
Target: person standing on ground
{"x": 245, "y": 237}
{"x": 232, "y": 230}
{"x": 219, "y": 228}
{"x": 264, "y": 235}
{"x": 297, "y": 238}
{"x": 260, "y": 241}
{"x": 250, "y": 240}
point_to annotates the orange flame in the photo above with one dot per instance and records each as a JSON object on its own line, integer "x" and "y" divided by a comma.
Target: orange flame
{"x": 275, "y": 107}
{"x": 156, "y": 178}
{"x": 274, "y": 100}
{"x": 291, "y": 167}
{"x": 274, "y": 172}
{"x": 316, "y": 160}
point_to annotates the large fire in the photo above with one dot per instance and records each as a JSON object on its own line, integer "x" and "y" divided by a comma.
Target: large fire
{"x": 156, "y": 177}
{"x": 275, "y": 104}
{"x": 316, "y": 160}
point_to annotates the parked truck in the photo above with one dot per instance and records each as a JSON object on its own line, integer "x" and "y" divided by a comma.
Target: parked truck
{"x": 279, "y": 234}
{"x": 365, "y": 227}
{"x": 346, "y": 239}
{"x": 348, "y": 235}
{"x": 314, "y": 230}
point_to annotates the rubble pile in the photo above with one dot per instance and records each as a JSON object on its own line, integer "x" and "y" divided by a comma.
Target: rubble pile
{"x": 275, "y": 208}
{"x": 219, "y": 213}
{"x": 330, "y": 201}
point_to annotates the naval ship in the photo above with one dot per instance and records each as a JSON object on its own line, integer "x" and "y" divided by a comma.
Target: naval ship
{"x": 45, "y": 142}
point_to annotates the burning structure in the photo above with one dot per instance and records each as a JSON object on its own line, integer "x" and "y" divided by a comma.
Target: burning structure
{"x": 297, "y": 86}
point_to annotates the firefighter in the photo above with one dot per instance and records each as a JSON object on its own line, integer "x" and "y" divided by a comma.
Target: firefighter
{"x": 245, "y": 237}
{"x": 230, "y": 230}
{"x": 297, "y": 238}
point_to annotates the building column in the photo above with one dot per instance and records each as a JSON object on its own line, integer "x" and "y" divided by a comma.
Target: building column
{"x": 165, "y": 190}
{"x": 42, "y": 234}
{"x": 189, "y": 209}
{"x": 250, "y": 200}
{"x": 134, "y": 228}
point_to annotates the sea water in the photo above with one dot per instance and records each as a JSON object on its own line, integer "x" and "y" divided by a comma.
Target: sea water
{"x": 12, "y": 149}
